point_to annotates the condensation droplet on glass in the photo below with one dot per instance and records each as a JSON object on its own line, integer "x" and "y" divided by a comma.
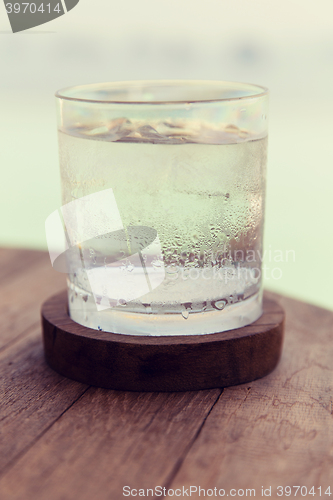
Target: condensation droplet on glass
{"x": 185, "y": 313}
{"x": 219, "y": 304}
{"x": 157, "y": 263}
{"x": 232, "y": 299}
{"x": 172, "y": 269}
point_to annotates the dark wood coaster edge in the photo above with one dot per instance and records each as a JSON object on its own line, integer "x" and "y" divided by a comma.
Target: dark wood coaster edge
{"x": 161, "y": 363}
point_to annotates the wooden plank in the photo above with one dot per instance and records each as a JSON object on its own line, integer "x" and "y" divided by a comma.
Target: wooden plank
{"x": 15, "y": 261}
{"x": 108, "y": 440}
{"x": 59, "y": 445}
{"x": 32, "y": 396}
{"x": 21, "y": 296}
{"x": 34, "y": 413}
{"x": 277, "y": 431}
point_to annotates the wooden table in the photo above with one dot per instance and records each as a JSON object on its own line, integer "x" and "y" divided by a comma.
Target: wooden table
{"x": 62, "y": 440}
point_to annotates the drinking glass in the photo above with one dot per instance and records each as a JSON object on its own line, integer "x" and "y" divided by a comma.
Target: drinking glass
{"x": 163, "y": 192}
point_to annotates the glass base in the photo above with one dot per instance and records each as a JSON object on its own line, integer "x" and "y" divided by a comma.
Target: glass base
{"x": 232, "y": 316}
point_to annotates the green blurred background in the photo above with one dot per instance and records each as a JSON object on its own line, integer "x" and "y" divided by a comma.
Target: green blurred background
{"x": 286, "y": 45}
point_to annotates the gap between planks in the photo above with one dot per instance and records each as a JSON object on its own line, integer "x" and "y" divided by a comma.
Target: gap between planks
{"x": 182, "y": 458}
{"x": 109, "y": 429}
{"x": 23, "y": 452}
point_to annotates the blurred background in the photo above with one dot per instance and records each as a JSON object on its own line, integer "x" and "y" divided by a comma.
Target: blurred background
{"x": 286, "y": 45}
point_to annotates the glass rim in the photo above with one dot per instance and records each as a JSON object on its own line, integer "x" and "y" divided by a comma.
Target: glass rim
{"x": 257, "y": 91}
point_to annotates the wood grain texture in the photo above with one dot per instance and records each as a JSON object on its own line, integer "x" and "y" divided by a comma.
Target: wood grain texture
{"x": 14, "y": 261}
{"x": 66, "y": 444}
{"x": 278, "y": 430}
{"x": 32, "y": 396}
{"x": 170, "y": 363}
{"x": 108, "y": 440}
{"x": 22, "y": 292}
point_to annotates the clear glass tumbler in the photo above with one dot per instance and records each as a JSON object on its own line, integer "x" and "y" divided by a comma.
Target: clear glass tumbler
{"x": 163, "y": 190}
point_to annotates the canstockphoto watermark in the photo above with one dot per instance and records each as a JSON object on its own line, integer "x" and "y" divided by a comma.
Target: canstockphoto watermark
{"x": 229, "y": 265}
{"x": 24, "y": 15}
{"x": 86, "y": 237}
{"x": 247, "y": 255}
{"x": 225, "y": 274}
{"x": 196, "y": 491}
{"x": 189, "y": 491}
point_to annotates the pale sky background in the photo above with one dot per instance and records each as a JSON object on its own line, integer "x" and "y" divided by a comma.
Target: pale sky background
{"x": 286, "y": 45}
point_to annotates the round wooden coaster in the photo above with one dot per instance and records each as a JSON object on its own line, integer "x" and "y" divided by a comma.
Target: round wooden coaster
{"x": 173, "y": 363}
